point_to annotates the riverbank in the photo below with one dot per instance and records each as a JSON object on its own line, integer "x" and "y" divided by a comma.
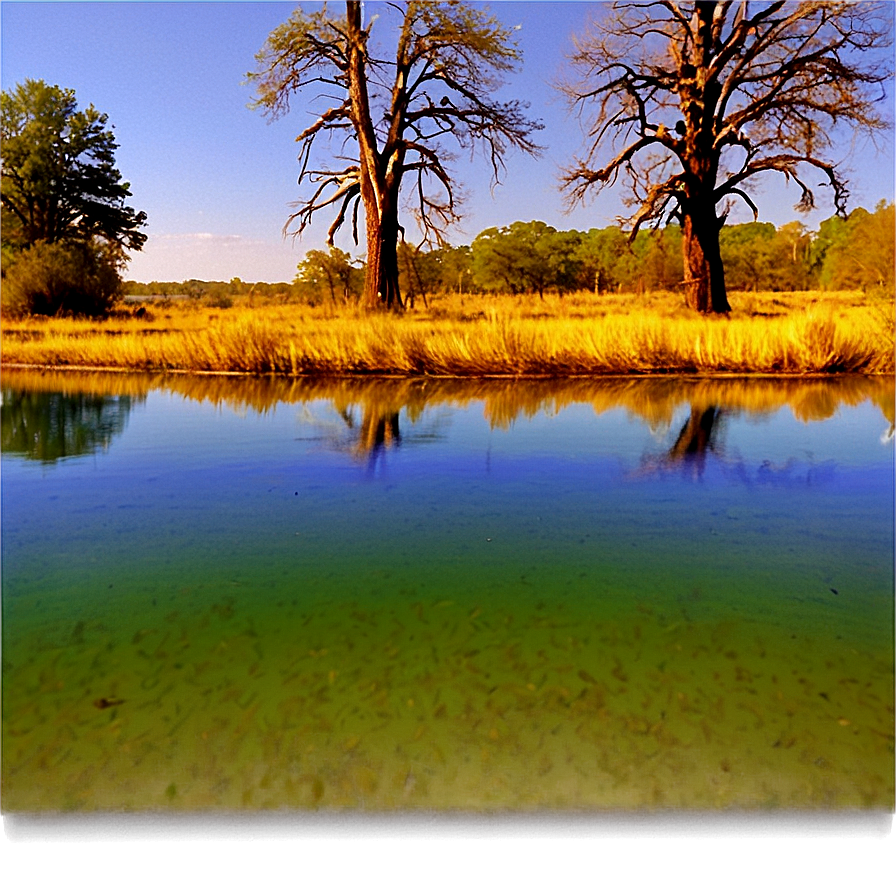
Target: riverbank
{"x": 575, "y": 335}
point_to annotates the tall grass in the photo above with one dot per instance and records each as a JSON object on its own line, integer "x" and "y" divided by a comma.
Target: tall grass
{"x": 785, "y": 334}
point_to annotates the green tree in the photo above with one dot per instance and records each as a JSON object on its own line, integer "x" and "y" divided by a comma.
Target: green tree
{"x": 747, "y": 251}
{"x": 790, "y": 265}
{"x": 860, "y": 251}
{"x": 395, "y": 119}
{"x": 60, "y": 278}
{"x": 692, "y": 100}
{"x": 526, "y": 256}
{"x": 563, "y": 260}
{"x": 456, "y": 269}
{"x": 876, "y": 237}
{"x": 59, "y": 180}
{"x": 659, "y": 255}
{"x": 420, "y": 272}
{"x": 330, "y": 273}
{"x": 600, "y": 252}
{"x": 827, "y": 250}
{"x": 48, "y": 426}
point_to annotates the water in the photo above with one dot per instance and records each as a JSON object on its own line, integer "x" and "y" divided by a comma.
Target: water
{"x": 245, "y": 593}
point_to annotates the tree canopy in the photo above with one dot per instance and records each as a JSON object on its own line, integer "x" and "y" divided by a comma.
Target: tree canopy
{"x": 689, "y": 101}
{"x": 330, "y": 275}
{"x": 392, "y": 117}
{"x": 59, "y": 180}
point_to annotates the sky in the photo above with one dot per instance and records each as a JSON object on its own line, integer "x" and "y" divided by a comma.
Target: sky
{"x": 216, "y": 179}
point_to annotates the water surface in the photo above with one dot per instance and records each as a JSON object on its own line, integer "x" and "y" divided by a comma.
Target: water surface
{"x": 247, "y": 593}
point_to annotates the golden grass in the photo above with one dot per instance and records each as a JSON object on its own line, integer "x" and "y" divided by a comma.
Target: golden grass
{"x": 580, "y": 334}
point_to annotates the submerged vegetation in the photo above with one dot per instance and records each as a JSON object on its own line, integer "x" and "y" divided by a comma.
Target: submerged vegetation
{"x": 577, "y": 334}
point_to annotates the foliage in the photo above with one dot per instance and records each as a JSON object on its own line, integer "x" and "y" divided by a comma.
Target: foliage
{"x": 57, "y": 279}
{"x": 384, "y": 113}
{"x": 859, "y": 252}
{"x": 420, "y": 272}
{"x": 603, "y": 254}
{"x": 526, "y": 257}
{"x": 329, "y": 275}
{"x": 689, "y": 102}
{"x": 59, "y": 180}
{"x": 746, "y": 251}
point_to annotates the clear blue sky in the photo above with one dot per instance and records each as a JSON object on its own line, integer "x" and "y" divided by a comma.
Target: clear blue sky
{"x": 216, "y": 179}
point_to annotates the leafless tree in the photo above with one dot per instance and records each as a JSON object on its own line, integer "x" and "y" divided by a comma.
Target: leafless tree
{"x": 391, "y": 122}
{"x": 689, "y": 101}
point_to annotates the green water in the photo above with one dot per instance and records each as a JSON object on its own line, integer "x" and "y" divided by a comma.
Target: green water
{"x": 226, "y": 606}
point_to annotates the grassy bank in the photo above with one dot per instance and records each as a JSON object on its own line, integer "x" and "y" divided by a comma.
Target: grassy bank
{"x": 581, "y": 334}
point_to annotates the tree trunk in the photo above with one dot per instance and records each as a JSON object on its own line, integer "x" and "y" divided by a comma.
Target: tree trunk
{"x": 380, "y": 211}
{"x": 704, "y": 276}
{"x": 381, "y": 289}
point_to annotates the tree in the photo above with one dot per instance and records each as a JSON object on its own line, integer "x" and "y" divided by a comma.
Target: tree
{"x": 59, "y": 180}
{"x": 333, "y": 269}
{"x": 60, "y": 278}
{"x": 455, "y": 263}
{"x": 791, "y": 263}
{"x": 526, "y": 256}
{"x": 859, "y": 252}
{"x": 420, "y": 272}
{"x": 659, "y": 256}
{"x": 392, "y": 119}
{"x": 600, "y": 253}
{"x": 695, "y": 99}
{"x": 747, "y": 252}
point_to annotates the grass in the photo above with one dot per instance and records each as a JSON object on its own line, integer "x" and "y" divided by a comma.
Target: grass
{"x": 475, "y": 336}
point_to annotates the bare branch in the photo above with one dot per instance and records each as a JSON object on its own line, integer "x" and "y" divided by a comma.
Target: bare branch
{"x": 397, "y": 116}
{"x": 774, "y": 78}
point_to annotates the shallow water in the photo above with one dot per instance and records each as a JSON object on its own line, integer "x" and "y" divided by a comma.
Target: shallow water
{"x": 634, "y": 594}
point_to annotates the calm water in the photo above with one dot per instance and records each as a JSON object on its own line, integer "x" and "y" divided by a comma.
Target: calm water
{"x": 237, "y": 593}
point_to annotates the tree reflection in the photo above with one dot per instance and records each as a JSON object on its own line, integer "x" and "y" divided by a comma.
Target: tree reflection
{"x": 384, "y": 413}
{"x": 379, "y": 430}
{"x": 47, "y": 426}
{"x": 699, "y": 436}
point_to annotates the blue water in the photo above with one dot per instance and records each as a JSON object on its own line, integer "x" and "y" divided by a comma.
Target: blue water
{"x": 526, "y": 596}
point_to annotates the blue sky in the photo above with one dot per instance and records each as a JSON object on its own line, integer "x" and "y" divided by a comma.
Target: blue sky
{"x": 216, "y": 179}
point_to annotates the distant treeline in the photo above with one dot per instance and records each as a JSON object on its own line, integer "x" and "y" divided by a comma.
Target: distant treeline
{"x": 535, "y": 258}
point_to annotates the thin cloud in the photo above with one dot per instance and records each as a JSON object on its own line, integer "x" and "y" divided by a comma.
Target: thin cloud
{"x": 204, "y": 238}
{"x": 212, "y": 256}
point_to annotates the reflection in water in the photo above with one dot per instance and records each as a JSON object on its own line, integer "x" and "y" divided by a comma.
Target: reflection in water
{"x": 700, "y": 435}
{"x": 48, "y": 426}
{"x": 379, "y": 429}
{"x": 655, "y": 400}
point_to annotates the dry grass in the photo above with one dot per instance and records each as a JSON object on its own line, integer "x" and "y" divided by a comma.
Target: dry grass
{"x": 580, "y": 334}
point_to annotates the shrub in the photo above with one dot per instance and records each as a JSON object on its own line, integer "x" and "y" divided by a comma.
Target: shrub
{"x": 58, "y": 279}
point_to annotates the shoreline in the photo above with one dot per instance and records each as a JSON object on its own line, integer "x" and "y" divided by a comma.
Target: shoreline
{"x": 504, "y": 377}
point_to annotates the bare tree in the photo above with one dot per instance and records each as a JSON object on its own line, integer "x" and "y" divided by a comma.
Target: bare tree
{"x": 695, "y": 99}
{"x": 392, "y": 119}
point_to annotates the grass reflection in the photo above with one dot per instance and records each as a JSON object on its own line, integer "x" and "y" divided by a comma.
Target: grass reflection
{"x": 653, "y": 399}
